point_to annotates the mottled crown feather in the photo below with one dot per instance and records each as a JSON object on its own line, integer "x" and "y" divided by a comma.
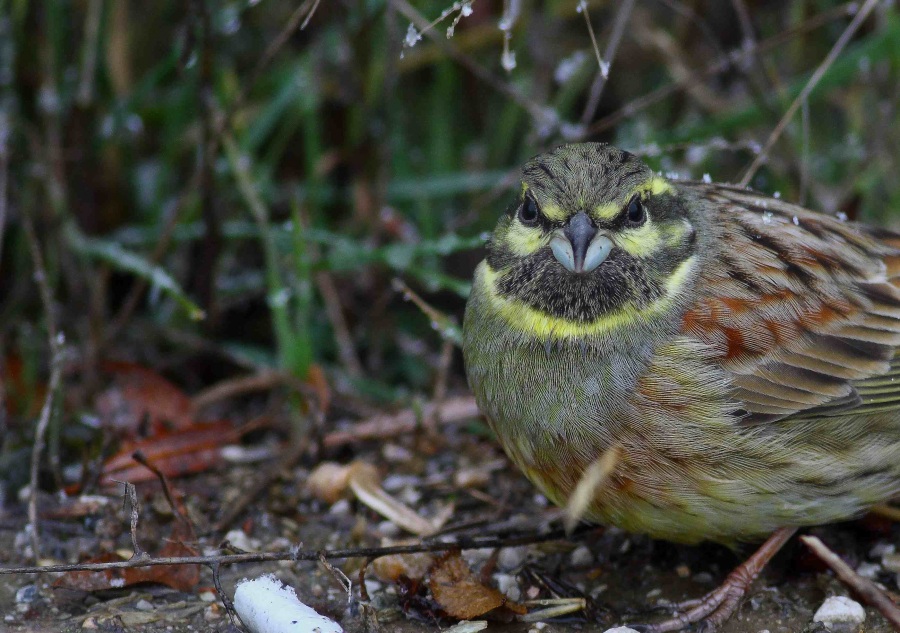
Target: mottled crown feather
{"x": 585, "y": 175}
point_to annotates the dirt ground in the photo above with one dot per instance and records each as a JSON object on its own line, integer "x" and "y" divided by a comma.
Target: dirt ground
{"x": 625, "y": 578}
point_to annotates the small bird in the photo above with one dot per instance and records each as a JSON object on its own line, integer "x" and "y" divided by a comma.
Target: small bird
{"x": 736, "y": 355}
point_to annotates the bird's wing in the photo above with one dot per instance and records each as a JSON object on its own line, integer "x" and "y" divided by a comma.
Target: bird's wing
{"x": 802, "y": 309}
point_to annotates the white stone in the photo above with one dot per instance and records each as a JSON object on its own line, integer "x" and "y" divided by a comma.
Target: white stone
{"x": 868, "y": 570}
{"x": 512, "y": 558}
{"x": 840, "y": 609}
{"x": 620, "y": 629}
{"x": 581, "y": 556}
{"x": 508, "y": 585}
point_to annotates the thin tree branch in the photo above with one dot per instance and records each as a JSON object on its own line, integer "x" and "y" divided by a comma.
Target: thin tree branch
{"x": 56, "y": 344}
{"x": 863, "y": 587}
{"x": 315, "y": 555}
{"x": 542, "y": 115}
{"x": 609, "y": 55}
{"x": 833, "y": 54}
{"x": 719, "y": 66}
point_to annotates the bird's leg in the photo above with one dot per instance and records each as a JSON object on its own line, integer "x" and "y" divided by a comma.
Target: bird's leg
{"x": 717, "y": 606}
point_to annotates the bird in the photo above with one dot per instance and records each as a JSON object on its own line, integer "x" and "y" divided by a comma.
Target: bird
{"x": 731, "y": 358}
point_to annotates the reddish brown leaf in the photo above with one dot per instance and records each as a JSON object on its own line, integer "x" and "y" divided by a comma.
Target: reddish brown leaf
{"x": 177, "y": 453}
{"x": 138, "y": 395}
{"x": 461, "y": 594}
{"x": 94, "y": 580}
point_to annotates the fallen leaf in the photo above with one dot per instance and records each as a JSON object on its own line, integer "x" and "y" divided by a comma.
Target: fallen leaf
{"x": 462, "y": 595}
{"x": 413, "y": 566}
{"x": 175, "y": 453}
{"x": 140, "y": 395}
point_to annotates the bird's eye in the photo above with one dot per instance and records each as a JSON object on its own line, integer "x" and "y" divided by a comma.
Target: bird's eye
{"x": 528, "y": 212}
{"x": 635, "y": 213}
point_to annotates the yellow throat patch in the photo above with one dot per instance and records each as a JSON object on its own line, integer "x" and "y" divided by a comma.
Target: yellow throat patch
{"x": 543, "y": 326}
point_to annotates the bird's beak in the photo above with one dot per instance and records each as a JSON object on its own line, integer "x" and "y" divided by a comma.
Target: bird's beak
{"x": 578, "y": 246}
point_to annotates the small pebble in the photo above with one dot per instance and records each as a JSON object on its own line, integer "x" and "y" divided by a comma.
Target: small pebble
{"x": 212, "y": 612}
{"x": 342, "y": 506}
{"x": 242, "y": 540}
{"x": 891, "y": 562}
{"x": 508, "y": 585}
{"x": 881, "y": 549}
{"x": 840, "y": 609}
{"x": 511, "y": 558}
{"x": 683, "y": 571}
{"x": 143, "y": 605}
{"x": 704, "y": 577}
{"x": 868, "y": 570}
{"x": 621, "y": 629}
{"x": 581, "y": 556}
{"x": 26, "y": 594}
{"x": 389, "y": 529}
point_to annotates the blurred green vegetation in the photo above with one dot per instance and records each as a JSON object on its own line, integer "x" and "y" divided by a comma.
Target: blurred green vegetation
{"x": 222, "y": 184}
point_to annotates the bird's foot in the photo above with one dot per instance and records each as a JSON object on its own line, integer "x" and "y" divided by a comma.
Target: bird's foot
{"x": 714, "y": 609}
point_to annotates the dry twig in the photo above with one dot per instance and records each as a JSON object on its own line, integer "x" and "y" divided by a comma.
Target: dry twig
{"x": 56, "y": 362}
{"x": 833, "y": 54}
{"x": 719, "y": 66}
{"x": 312, "y": 555}
{"x": 867, "y": 590}
{"x": 615, "y": 38}
{"x": 541, "y": 115}
{"x": 383, "y": 426}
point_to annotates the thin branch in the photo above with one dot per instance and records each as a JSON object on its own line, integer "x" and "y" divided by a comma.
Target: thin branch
{"x": 131, "y": 494}
{"x": 261, "y": 381}
{"x": 612, "y": 47}
{"x": 833, "y": 54}
{"x": 302, "y": 13}
{"x": 316, "y": 555}
{"x": 867, "y": 590}
{"x": 335, "y": 312}
{"x": 7, "y": 107}
{"x": 56, "y": 347}
{"x": 719, "y": 66}
{"x": 5, "y": 133}
{"x": 386, "y": 426}
{"x": 541, "y": 115}
{"x": 804, "y": 154}
{"x": 583, "y": 8}
{"x": 740, "y": 7}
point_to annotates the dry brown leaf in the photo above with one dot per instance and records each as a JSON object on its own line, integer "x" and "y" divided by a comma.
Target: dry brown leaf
{"x": 461, "y": 594}
{"x": 139, "y": 393}
{"x": 175, "y": 453}
{"x": 392, "y": 568}
{"x": 329, "y": 482}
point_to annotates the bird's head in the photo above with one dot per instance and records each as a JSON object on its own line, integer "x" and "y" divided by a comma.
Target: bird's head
{"x": 596, "y": 240}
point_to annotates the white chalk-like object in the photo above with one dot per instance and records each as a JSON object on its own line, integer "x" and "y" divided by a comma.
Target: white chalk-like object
{"x": 268, "y": 606}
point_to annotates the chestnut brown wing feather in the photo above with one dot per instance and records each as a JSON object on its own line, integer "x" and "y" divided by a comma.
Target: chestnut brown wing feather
{"x": 803, "y": 309}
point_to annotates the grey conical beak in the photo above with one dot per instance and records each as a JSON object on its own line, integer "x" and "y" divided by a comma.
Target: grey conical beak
{"x": 578, "y": 246}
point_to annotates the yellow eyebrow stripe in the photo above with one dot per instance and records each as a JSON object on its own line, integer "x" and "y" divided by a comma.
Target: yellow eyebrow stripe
{"x": 524, "y": 318}
{"x": 654, "y": 186}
